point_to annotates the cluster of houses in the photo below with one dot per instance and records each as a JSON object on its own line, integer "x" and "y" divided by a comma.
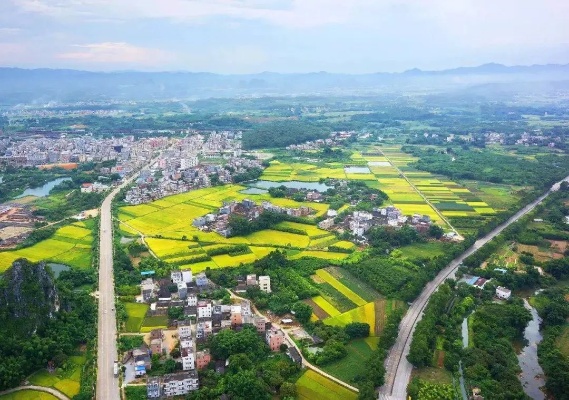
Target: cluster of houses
{"x": 501, "y": 293}
{"x": 246, "y": 208}
{"x": 192, "y": 163}
{"x": 359, "y": 222}
{"x": 335, "y": 139}
{"x": 202, "y": 319}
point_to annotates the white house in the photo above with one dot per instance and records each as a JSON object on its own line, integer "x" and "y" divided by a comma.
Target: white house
{"x": 503, "y": 293}
{"x": 180, "y": 384}
{"x": 204, "y": 309}
{"x": 176, "y": 276}
{"x": 187, "y": 276}
{"x": 188, "y": 361}
{"x": 265, "y": 283}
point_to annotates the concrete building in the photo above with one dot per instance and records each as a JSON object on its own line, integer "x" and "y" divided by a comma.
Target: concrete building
{"x": 274, "y": 338}
{"x": 203, "y": 358}
{"x": 180, "y": 384}
{"x": 153, "y": 387}
{"x": 204, "y": 309}
{"x": 184, "y": 329}
{"x": 188, "y": 362}
{"x": 176, "y": 276}
{"x": 192, "y": 300}
{"x": 265, "y": 283}
{"x": 503, "y": 293}
{"x": 182, "y": 290}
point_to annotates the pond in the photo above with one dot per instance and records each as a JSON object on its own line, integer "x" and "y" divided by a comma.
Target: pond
{"x": 532, "y": 375}
{"x": 357, "y": 170}
{"x": 44, "y": 190}
{"x": 291, "y": 185}
{"x": 253, "y": 190}
{"x": 58, "y": 268}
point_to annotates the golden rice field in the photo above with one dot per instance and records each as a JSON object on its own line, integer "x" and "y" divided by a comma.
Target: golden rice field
{"x": 313, "y": 386}
{"x": 70, "y": 245}
{"x": 28, "y": 395}
{"x": 326, "y": 306}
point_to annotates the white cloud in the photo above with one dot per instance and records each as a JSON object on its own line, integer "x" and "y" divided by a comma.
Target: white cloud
{"x": 114, "y": 53}
{"x": 9, "y": 31}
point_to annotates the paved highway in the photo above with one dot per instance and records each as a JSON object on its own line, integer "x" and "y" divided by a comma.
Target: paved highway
{"x": 107, "y": 384}
{"x": 398, "y": 369}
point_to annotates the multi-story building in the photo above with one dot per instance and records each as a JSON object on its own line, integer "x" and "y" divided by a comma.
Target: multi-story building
{"x": 265, "y": 283}
{"x": 203, "y": 358}
{"x": 188, "y": 361}
{"x": 204, "y": 309}
{"x": 274, "y": 338}
{"x": 184, "y": 329}
{"x": 153, "y": 387}
{"x": 180, "y": 384}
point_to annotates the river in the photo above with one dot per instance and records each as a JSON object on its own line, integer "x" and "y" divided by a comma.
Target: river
{"x": 532, "y": 375}
{"x": 44, "y": 190}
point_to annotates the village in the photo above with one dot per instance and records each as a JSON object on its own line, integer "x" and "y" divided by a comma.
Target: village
{"x": 185, "y": 341}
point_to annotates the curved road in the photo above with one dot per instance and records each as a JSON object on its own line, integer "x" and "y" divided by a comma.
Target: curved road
{"x": 107, "y": 384}
{"x": 53, "y": 392}
{"x": 398, "y": 369}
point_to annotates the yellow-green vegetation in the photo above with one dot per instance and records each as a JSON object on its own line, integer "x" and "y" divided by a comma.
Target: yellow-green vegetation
{"x": 354, "y": 364}
{"x": 280, "y": 172}
{"x": 423, "y": 250}
{"x": 151, "y": 323}
{"x": 28, "y": 395}
{"x": 326, "y": 306}
{"x": 312, "y": 386}
{"x": 65, "y": 379}
{"x": 328, "y": 278}
{"x": 167, "y": 225}
{"x": 365, "y": 314}
{"x": 136, "y": 313}
{"x": 562, "y": 342}
{"x": 70, "y": 245}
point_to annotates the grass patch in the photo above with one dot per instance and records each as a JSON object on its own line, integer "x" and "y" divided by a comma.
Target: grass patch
{"x": 562, "y": 342}
{"x": 66, "y": 379}
{"x": 354, "y": 364}
{"x": 326, "y": 306}
{"x": 136, "y": 313}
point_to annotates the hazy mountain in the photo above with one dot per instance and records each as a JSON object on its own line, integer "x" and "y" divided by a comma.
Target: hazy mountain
{"x": 45, "y": 85}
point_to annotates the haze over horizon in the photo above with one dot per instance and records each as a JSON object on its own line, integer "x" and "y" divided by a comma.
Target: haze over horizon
{"x": 252, "y": 36}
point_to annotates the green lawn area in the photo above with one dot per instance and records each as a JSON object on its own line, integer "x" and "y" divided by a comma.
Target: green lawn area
{"x": 423, "y": 250}
{"x": 353, "y": 364}
{"x": 66, "y": 379}
{"x": 28, "y": 395}
{"x": 312, "y": 386}
{"x": 433, "y": 375}
{"x": 136, "y": 313}
{"x": 562, "y": 341}
{"x": 151, "y": 323}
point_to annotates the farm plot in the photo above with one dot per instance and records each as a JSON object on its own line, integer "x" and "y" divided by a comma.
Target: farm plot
{"x": 28, "y": 395}
{"x": 365, "y": 314}
{"x": 357, "y": 286}
{"x": 136, "y": 313}
{"x": 328, "y": 278}
{"x": 66, "y": 380}
{"x": 354, "y": 364}
{"x": 312, "y": 386}
{"x": 326, "y": 306}
{"x": 69, "y": 245}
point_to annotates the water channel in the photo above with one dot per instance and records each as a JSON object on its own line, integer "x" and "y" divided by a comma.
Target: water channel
{"x": 532, "y": 375}
{"x": 44, "y": 190}
{"x": 291, "y": 185}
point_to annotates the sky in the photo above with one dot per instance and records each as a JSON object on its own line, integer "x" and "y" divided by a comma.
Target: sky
{"x": 250, "y": 36}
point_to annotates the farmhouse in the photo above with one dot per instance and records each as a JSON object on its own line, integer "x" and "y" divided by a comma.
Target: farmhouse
{"x": 503, "y": 293}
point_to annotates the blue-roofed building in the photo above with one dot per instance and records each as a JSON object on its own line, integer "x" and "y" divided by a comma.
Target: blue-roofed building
{"x": 147, "y": 273}
{"x": 139, "y": 370}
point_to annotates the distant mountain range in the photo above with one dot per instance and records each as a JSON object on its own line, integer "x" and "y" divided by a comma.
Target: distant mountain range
{"x": 41, "y": 86}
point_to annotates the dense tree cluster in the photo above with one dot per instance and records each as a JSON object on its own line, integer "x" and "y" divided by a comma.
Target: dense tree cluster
{"x": 55, "y": 337}
{"x": 282, "y": 133}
